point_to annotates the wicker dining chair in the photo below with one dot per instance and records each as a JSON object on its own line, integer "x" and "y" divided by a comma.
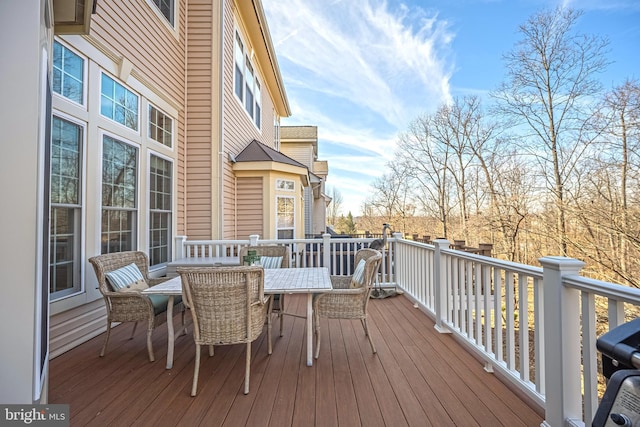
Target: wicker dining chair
{"x": 350, "y": 295}
{"x": 131, "y": 305}
{"x": 228, "y": 306}
{"x": 271, "y": 251}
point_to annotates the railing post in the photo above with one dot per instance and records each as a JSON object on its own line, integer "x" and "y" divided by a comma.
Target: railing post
{"x": 179, "y": 247}
{"x": 253, "y": 239}
{"x": 326, "y": 251}
{"x": 439, "y": 281}
{"x": 561, "y": 312}
{"x": 392, "y": 257}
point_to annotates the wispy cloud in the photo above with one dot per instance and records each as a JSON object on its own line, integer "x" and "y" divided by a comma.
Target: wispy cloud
{"x": 360, "y": 70}
{"x": 364, "y": 53}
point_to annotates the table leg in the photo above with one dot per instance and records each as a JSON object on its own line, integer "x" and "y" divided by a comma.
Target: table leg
{"x": 170, "y": 332}
{"x": 309, "y": 329}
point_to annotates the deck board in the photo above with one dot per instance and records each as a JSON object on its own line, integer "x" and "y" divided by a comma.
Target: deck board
{"x": 418, "y": 378}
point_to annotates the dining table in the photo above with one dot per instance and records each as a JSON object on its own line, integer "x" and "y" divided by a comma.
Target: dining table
{"x": 308, "y": 280}
{"x": 216, "y": 261}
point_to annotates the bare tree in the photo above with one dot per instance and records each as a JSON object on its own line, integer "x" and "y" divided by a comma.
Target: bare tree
{"x": 392, "y": 199}
{"x": 549, "y": 85}
{"x": 335, "y": 206}
{"x": 427, "y": 166}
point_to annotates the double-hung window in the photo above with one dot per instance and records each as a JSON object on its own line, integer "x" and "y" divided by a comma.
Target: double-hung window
{"x": 160, "y": 192}
{"x": 118, "y": 103}
{"x": 68, "y": 73}
{"x": 246, "y": 85}
{"x": 66, "y": 208}
{"x": 285, "y": 217}
{"x": 119, "y": 195}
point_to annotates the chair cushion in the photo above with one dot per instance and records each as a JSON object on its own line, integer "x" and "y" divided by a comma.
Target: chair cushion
{"x": 271, "y": 261}
{"x": 127, "y": 279}
{"x": 357, "y": 279}
{"x": 159, "y": 302}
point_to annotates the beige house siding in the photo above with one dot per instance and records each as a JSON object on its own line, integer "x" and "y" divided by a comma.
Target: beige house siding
{"x": 302, "y": 152}
{"x": 239, "y": 130}
{"x": 250, "y": 215}
{"x": 200, "y": 129}
{"x": 73, "y": 327}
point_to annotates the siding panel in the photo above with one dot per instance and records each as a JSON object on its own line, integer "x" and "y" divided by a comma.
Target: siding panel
{"x": 250, "y": 220}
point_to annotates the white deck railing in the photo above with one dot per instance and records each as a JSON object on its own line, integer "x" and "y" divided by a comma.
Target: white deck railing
{"x": 535, "y": 327}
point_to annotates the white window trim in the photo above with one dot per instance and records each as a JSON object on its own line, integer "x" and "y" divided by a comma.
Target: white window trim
{"x": 149, "y": 105}
{"x": 293, "y": 199}
{"x": 83, "y": 206}
{"x": 281, "y": 180}
{"x": 139, "y": 207}
{"x": 174, "y": 170}
{"x": 85, "y": 74}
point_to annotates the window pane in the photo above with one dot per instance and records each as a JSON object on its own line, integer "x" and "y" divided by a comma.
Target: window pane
{"x": 166, "y": 8}
{"x": 160, "y": 126}
{"x": 160, "y": 189}
{"x": 119, "y": 197}
{"x": 65, "y": 161}
{"x": 64, "y": 263}
{"x": 68, "y": 73}
{"x": 118, "y": 103}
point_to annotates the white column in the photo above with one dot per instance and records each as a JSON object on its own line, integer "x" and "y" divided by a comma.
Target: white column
{"x": 561, "y": 305}
{"x": 326, "y": 251}
{"x": 439, "y": 281}
{"x": 179, "y": 247}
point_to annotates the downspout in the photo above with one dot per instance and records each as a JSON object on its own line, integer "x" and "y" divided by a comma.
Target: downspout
{"x": 185, "y": 216}
{"x": 221, "y": 130}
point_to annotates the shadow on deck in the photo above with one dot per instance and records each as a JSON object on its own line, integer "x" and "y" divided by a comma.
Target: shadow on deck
{"x": 417, "y": 378}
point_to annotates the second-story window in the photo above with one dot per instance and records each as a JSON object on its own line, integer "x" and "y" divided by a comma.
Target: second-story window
{"x": 246, "y": 85}
{"x": 118, "y": 103}
{"x": 68, "y": 73}
{"x": 167, "y": 9}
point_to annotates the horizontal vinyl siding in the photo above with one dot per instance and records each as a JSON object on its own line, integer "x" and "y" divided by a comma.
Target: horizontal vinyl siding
{"x": 303, "y": 153}
{"x": 199, "y": 120}
{"x": 73, "y": 327}
{"x": 250, "y": 218}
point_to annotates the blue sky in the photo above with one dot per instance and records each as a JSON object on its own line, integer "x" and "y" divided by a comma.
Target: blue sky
{"x": 362, "y": 70}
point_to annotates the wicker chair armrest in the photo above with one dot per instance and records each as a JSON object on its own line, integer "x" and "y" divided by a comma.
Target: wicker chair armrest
{"x": 341, "y": 282}
{"x": 342, "y": 296}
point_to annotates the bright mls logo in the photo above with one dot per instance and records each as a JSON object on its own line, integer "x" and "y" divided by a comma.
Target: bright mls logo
{"x": 37, "y": 415}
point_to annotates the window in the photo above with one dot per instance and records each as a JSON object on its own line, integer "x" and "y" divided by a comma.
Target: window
{"x": 119, "y": 201}
{"x": 285, "y": 184}
{"x": 167, "y": 8}
{"x": 66, "y": 207}
{"x": 239, "y": 67}
{"x": 160, "y": 126}
{"x": 246, "y": 84}
{"x": 68, "y": 73}
{"x": 160, "y": 190}
{"x": 118, "y": 103}
{"x": 285, "y": 216}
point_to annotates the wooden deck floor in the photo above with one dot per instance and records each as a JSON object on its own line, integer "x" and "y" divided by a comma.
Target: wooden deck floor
{"x": 417, "y": 378}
